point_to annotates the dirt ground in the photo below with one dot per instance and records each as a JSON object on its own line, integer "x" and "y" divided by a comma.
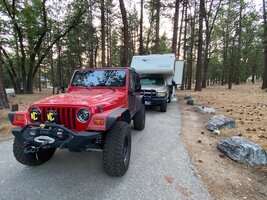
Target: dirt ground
{"x": 23, "y": 101}
{"x": 224, "y": 178}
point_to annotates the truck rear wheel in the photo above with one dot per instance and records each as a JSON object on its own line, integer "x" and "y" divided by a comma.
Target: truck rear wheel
{"x": 169, "y": 98}
{"x": 117, "y": 149}
{"x": 163, "y": 106}
{"x": 140, "y": 118}
{"x": 31, "y": 159}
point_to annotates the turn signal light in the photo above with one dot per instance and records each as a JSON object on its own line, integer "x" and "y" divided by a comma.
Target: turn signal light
{"x": 99, "y": 122}
{"x": 19, "y": 118}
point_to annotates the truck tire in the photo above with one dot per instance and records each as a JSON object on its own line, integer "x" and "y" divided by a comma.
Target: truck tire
{"x": 163, "y": 106}
{"x": 31, "y": 159}
{"x": 169, "y": 99}
{"x": 117, "y": 149}
{"x": 139, "y": 118}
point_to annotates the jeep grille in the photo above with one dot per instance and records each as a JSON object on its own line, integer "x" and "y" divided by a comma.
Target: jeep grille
{"x": 149, "y": 93}
{"x": 66, "y": 115}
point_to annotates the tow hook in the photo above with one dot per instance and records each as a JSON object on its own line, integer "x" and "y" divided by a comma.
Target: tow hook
{"x": 33, "y": 149}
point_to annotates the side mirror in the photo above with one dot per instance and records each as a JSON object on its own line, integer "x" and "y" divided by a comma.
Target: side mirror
{"x": 137, "y": 87}
{"x": 62, "y": 89}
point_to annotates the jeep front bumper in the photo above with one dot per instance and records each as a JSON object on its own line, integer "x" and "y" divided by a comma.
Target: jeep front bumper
{"x": 56, "y": 136}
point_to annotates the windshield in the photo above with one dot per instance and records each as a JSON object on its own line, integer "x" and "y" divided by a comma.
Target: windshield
{"x": 152, "y": 81}
{"x": 99, "y": 78}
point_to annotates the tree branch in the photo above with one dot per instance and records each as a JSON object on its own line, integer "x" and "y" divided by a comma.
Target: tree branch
{"x": 12, "y": 71}
{"x": 12, "y": 15}
{"x": 63, "y": 34}
{"x": 38, "y": 44}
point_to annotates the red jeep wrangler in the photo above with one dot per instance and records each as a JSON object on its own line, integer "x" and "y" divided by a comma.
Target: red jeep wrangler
{"x": 94, "y": 115}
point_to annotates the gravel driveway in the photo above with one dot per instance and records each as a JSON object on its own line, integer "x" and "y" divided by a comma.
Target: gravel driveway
{"x": 160, "y": 168}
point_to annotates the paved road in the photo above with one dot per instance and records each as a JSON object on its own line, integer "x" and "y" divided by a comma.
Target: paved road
{"x": 160, "y": 168}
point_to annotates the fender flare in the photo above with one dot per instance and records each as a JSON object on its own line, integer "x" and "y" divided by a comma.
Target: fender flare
{"x": 120, "y": 112}
{"x": 139, "y": 102}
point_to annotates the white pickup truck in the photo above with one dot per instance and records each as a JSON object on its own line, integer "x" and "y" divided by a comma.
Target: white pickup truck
{"x": 159, "y": 72}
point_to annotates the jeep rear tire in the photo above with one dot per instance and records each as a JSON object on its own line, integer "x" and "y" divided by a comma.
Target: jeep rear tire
{"x": 163, "y": 106}
{"x": 117, "y": 149}
{"x": 139, "y": 118}
{"x": 31, "y": 159}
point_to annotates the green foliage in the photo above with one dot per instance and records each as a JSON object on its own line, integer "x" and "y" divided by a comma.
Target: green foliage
{"x": 164, "y": 44}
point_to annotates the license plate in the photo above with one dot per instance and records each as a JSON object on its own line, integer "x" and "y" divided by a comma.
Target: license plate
{"x": 147, "y": 103}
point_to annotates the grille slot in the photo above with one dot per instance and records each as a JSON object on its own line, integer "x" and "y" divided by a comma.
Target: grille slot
{"x": 66, "y": 116}
{"x": 149, "y": 93}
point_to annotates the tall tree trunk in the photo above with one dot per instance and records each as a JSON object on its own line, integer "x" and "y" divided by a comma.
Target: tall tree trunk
{"x": 124, "y": 61}
{"x": 103, "y": 34}
{"x": 39, "y": 80}
{"x": 185, "y": 48}
{"x": 200, "y": 48}
{"x": 59, "y": 71}
{"x": 91, "y": 36}
{"x": 208, "y": 32}
{"x": 264, "y": 82}
{"x": 3, "y": 97}
{"x": 141, "y": 45}
{"x": 108, "y": 32}
{"x": 190, "y": 59}
{"x": 232, "y": 64}
{"x": 239, "y": 33}
{"x": 157, "y": 50}
{"x": 175, "y": 27}
{"x": 181, "y": 28}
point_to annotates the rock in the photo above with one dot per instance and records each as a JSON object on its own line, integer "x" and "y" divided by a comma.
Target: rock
{"x": 188, "y": 97}
{"x": 243, "y": 151}
{"x": 216, "y": 132}
{"x": 190, "y": 102}
{"x": 218, "y": 122}
{"x": 204, "y": 110}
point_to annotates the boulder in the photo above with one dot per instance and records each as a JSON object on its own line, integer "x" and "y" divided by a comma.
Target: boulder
{"x": 190, "y": 101}
{"x": 218, "y": 122}
{"x": 204, "y": 110}
{"x": 243, "y": 151}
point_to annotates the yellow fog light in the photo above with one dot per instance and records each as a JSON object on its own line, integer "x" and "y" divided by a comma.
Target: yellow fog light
{"x": 52, "y": 116}
{"x": 35, "y": 114}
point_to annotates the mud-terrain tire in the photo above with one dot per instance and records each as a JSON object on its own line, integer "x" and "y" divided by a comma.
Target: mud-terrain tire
{"x": 31, "y": 159}
{"x": 163, "y": 106}
{"x": 117, "y": 149}
{"x": 139, "y": 119}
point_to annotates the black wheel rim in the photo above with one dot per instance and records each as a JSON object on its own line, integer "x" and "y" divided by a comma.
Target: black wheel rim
{"x": 125, "y": 150}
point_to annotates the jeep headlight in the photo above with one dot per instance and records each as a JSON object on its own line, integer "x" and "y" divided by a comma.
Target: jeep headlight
{"x": 35, "y": 114}
{"x": 83, "y": 115}
{"x": 161, "y": 94}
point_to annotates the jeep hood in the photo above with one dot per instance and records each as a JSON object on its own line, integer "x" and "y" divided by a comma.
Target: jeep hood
{"x": 85, "y": 98}
{"x": 158, "y": 88}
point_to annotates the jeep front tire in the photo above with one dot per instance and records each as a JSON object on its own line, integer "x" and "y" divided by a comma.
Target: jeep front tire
{"x": 117, "y": 149}
{"x": 139, "y": 118}
{"x": 31, "y": 159}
